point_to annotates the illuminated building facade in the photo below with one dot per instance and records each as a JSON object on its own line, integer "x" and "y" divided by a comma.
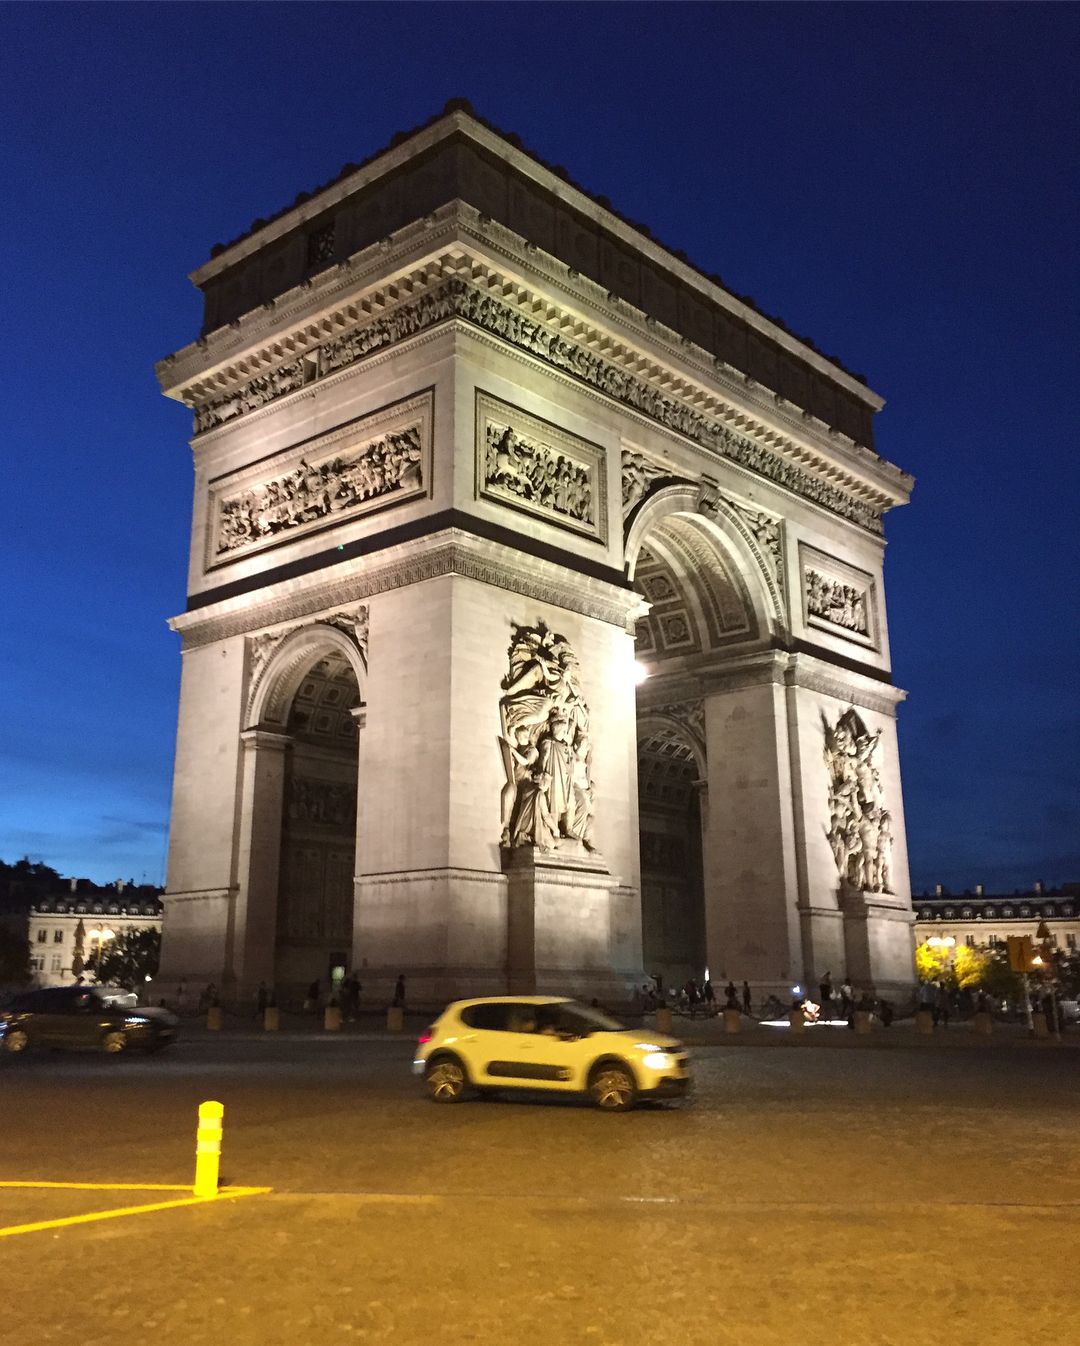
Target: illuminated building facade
{"x": 536, "y": 633}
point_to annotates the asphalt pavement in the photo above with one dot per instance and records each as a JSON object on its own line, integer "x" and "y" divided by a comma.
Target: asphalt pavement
{"x": 905, "y": 1192}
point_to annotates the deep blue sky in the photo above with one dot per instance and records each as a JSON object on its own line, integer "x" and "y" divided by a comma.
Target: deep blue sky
{"x": 897, "y": 183}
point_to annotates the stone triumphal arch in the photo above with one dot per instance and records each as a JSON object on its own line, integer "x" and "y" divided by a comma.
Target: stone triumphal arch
{"x": 536, "y": 633}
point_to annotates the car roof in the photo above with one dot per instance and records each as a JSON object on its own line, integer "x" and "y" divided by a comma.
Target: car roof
{"x": 511, "y": 1000}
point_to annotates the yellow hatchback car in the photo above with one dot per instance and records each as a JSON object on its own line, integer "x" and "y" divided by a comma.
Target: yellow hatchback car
{"x": 547, "y": 1043}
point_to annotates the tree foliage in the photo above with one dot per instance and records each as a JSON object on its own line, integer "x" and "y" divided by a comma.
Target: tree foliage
{"x": 14, "y": 953}
{"x": 971, "y": 967}
{"x": 933, "y": 963}
{"x": 127, "y": 959}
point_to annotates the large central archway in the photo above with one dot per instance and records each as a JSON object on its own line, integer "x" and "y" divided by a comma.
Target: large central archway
{"x": 708, "y": 607}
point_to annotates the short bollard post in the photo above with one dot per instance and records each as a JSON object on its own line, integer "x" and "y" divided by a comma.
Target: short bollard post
{"x": 984, "y": 1025}
{"x": 924, "y": 1021}
{"x": 213, "y": 1018}
{"x": 663, "y": 1019}
{"x": 864, "y": 1021}
{"x": 1041, "y": 1024}
{"x": 208, "y": 1148}
{"x": 332, "y": 1018}
{"x": 797, "y": 1020}
{"x": 732, "y": 1021}
{"x": 395, "y": 1019}
{"x": 271, "y": 1018}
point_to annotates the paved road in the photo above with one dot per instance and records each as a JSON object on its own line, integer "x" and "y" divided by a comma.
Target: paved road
{"x": 864, "y": 1196}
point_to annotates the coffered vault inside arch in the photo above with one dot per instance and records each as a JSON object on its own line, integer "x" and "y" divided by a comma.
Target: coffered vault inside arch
{"x": 314, "y": 929}
{"x": 702, "y": 613}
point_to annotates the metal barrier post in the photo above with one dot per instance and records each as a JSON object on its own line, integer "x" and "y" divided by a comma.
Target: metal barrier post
{"x": 208, "y": 1148}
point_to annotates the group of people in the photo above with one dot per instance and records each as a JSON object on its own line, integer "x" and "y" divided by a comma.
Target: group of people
{"x": 695, "y": 997}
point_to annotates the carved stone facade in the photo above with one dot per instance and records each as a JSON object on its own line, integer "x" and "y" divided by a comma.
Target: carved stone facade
{"x": 413, "y": 445}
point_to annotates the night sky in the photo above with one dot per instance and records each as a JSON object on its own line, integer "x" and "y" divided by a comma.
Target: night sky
{"x": 897, "y": 183}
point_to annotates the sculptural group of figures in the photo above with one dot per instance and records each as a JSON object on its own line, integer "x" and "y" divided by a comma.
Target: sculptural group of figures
{"x": 840, "y": 604}
{"x": 311, "y": 801}
{"x": 536, "y": 474}
{"x": 860, "y": 827}
{"x": 312, "y": 492}
{"x": 547, "y": 751}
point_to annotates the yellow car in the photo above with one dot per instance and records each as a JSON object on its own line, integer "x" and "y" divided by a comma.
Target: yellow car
{"x": 547, "y": 1043}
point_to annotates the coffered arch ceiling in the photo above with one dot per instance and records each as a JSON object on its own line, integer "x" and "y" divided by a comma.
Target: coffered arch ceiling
{"x": 667, "y": 767}
{"x": 699, "y": 600}
{"x": 321, "y": 708}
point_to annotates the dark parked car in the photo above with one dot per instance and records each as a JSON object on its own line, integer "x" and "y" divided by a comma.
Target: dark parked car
{"x": 81, "y": 1017}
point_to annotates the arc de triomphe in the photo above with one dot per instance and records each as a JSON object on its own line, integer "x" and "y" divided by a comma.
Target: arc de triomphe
{"x": 536, "y": 632}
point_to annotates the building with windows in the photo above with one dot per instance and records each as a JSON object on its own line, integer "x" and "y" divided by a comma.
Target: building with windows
{"x": 983, "y": 919}
{"x": 80, "y": 921}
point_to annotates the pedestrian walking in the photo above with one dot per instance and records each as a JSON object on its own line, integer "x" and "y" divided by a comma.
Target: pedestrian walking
{"x": 731, "y": 996}
{"x": 710, "y": 996}
{"x": 746, "y": 1000}
{"x": 825, "y": 987}
{"x": 847, "y": 998}
{"x": 399, "y": 992}
{"x": 942, "y": 1007}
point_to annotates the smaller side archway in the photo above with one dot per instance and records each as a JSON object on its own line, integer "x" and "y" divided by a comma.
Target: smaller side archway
{"x": 301, "y": 780}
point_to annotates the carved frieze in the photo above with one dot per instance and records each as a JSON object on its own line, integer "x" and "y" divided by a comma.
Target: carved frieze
{"x": 546, "y": 744}
{"x": 837, "y": 598}
{"x": 456, "y": 298}
{"x": 860, "y": 826}
{"x": 381, "y": 460}
{"x": 538, "y": 468}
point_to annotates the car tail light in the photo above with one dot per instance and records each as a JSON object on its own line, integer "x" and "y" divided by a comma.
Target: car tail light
{"x": 426, "y": 1036}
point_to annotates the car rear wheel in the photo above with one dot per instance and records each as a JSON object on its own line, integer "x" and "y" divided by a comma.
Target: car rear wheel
{"x": 114, "y": 1042}
{"x": 446, "y": 1080}
{"x": 612, "y": 1087}
{"x": 16, "y": 1041}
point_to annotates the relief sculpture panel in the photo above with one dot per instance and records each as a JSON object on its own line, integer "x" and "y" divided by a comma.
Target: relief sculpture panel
{"x": 837, "y": 598}
{"x": 545, "y": 742}
{"x": 536, "y": 467}
{"x": 381, "y": 460}
{"x": 860, "y": 826}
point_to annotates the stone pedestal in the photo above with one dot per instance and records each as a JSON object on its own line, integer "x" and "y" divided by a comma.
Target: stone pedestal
{"x": 570, "y": 925}
{"x": 877, "y": 942}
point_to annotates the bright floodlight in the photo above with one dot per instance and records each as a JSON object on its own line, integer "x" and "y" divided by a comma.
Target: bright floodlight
{"x": 640, "y": 672}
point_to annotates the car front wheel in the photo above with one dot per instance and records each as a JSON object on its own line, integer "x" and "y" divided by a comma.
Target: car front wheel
{"x": 446, "y": 1080}
{"x": 114, "y": 1042}
{"x": 16, "y": 1040}
{"x": 612, "y": 1087}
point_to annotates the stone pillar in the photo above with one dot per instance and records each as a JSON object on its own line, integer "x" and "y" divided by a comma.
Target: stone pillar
{"x": 252, "y": 927}
{"x": 751, "y": 917}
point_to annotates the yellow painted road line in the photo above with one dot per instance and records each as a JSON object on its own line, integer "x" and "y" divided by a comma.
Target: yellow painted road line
{"x": 116, "y": 1214}
{"x": 103, "y": 1186}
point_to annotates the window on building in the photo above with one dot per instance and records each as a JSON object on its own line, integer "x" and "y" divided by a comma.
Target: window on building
{"x": 55, "y": 963}
{"x": 1006, "y": 911}
{"x": 1025, "y": 911}
{"x": 967, "y": 913}
{"x": 58, "y": 937}
{"x": 42, "y": 936}
{"x": 948, "y": 913}
{"x": 1070, "y": 940}
{"x": 969, "y": 940}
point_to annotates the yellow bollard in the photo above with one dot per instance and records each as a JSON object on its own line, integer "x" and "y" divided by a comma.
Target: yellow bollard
{"x": 924, "y": 1021}
{"x": 213, "y": 1019}
{"x": 663, "y": 1019}
{"x": 332, "y": 1018}
{"x": 395, "y": 1019}
{"x": 732, "y": 1021}
{"x": 208, "y": 1148}
{"x": 797, "y": 1020}
{"x": 271, "y": 1018}
{"x": 984, "y": 1025}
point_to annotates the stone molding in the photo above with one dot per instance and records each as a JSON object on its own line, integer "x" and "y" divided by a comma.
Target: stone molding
{"x": 762, "y": 533}
{"x": 451, "y": 552}
{"x": 457, "y": 298}
{"x": 264, "y": 648}
{"x": 449, "y": 873}
{"x": 816, "y": 675}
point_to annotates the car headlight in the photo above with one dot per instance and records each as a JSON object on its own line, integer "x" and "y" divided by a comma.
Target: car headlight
{"x": 133, "y": 1020}
{"x": 656, "y": 1060}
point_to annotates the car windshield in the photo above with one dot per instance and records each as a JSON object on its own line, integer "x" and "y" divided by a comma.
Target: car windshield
{"x": 597, "y": 1020}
